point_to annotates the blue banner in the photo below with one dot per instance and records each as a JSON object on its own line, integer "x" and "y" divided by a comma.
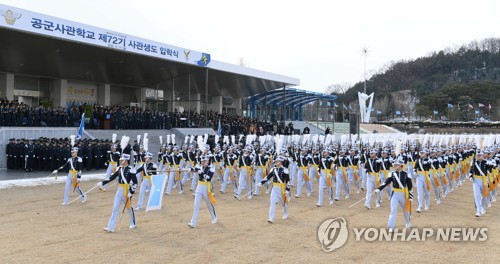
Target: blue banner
{"x": 156, "y": 192}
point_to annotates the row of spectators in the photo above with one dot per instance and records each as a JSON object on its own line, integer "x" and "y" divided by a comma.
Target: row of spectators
{"x": 13, "y": 113}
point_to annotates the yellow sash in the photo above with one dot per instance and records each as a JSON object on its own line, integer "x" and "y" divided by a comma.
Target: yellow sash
{"x": 304, "y": 170}
{"x": 209, "y": 190}
{"x": 263, "y": 169}
{"x": 436, "y": 181}
{"x": 443, "y": 176}
{"x": 485, "y": 185}
{"x": 328, "y": 178}
{"x": 283, "y": 193}
{"x": 344, "y": 173}
{"x": 407, "y": 198}
{"x": 427, "y": 180}
{"x": 125, "y": 194}
{"x": 113, "y": 163}
{"x": 177, "y": 174}
{"x": 355, "y": 172}
{"x": 73, "y": 178}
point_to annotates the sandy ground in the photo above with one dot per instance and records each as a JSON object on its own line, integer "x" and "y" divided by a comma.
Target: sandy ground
{"x": 36, "y": 228}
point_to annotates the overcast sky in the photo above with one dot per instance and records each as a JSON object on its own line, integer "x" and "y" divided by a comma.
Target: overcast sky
{"x": 317, "y": 41}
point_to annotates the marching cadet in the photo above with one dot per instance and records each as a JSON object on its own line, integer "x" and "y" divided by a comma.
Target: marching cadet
{"x": 434, "y": 175}
{"x": 74, "y": 165}
{"x": 384, "y": 170}
{"x": 174, "y": 175}
{"x": 422, "y": 166}
{"x": 302, "y": 173}
{"x": 217, "y": 159}
{"x": 353, "y": 170}
{"x": 281, "y": 188}
{"x": 402, "y": 193}
{"x": 229, "y": 171}
{"x": 372, "y": 167}
{"x": 189, "y": 156}
{"x": 412, "y": 157}
{"x": 113, "y": 156}
{"x": 127, "y": 182}
{"x": 203, "y": 190}
{"x": 314, "y": 165}
{"x": 479, "y": 179}
{"x": 261, "y": 161}
{"x": 325, "y": 180}
{"x": 148, "y": 169}
{"x": 244, "y": 163}
{"x": 341, "y": 175}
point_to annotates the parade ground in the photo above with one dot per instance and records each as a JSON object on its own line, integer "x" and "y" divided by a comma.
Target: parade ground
{"x": 36, "y": 228}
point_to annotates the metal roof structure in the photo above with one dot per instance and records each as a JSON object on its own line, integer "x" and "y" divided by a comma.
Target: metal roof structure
{"x": 288, "y": 99}
{"x": 29, "y": 48}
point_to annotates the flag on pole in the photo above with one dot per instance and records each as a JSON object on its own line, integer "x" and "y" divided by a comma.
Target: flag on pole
{"x": 450, "y": 106}
{"x": 328, "y": 104}
{"x": 398, "y": 112}
{"x": 343, "y": 105}
{"x": 219, "y": 129}
{"x": 477, "y": 112}
{"x": 436, "y": 112}
{"x": 335, "y": 104}
{"x": 379, "y": 112}
{"x": 470, "y": 106}
{"x": 489, "y": 106}
{"x": 481, "y": 105}
{"x": 79, "y": 133}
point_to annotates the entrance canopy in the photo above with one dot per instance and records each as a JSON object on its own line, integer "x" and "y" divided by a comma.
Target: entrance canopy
{"x": 289, "y": 100}
{"x": 31, "y": 44}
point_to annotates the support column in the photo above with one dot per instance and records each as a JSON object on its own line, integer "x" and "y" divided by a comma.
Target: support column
{"x": 59, "y": 92}
{"x": 237, "y": 104}
{"x": 196, "y": 104}
{"x": 217, "y": 104}
{"x": 170, "y": 94}
{"x": 104, "y": 94}
{"x": 7, "y": 83}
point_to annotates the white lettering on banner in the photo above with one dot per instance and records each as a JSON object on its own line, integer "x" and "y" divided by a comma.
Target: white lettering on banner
{"x": 20, "y": 19}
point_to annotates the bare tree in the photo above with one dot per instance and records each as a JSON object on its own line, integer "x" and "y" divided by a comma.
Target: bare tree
{"x": 338, "y": 88}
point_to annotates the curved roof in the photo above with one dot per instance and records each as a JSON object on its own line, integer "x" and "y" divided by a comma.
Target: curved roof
{"x": 288, "y": 97}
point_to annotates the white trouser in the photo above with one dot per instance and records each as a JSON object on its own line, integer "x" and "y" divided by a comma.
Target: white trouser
{"x": 423, "y": 194}
{"x": 202, "y": 193}
{"x": 277, "y": 198}
{"x": 300, "y": 179}
{"x": 258, "y": 178}
{"x": 350, "y": 176}
{"x": 293, "y": 173}
{"x": 388, "y": 189}
{"x": 67, "y": 188}
{"x": 479, "y": 200}
{"x": 243, "y": 182}
{"x": 119, "y": 199}
{"x": 341, "y": 183}
{"x": 145, "y": 187}
{"x": 398, "y": 198}
{"x": 226, "y": 179}
{"x": 323, "y": 184}
{"x": 437, "y": 193}
{"x": 371, "y": 185}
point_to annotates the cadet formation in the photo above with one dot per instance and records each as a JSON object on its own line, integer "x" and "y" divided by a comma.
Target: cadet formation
{"x": 329, "y": 167}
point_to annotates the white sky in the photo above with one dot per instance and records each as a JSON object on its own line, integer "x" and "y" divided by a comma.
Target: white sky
{"x": 317, "y": 41}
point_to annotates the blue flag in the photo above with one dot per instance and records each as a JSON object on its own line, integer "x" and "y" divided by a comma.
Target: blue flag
{"x": 328, "y": 104}
{"x": 343, "y": 105}
{"x": 320, "y": 103}
{"x": 335, "y": 104}
{"x": 219, "y": 130}
{"x": 450, "y": 106}
{"x": 398, "y": 112}
{"x": 379, "y": 112}
{"x": 436, "y": 112}
{"x": 477, "y": 112}
{"x": 79, "y": 133}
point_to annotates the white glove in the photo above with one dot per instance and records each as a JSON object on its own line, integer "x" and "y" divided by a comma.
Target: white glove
{"x": 129, "y": 195}
{"x": 259, "y": 184}
{"x": 206, "y": 177}
{"x": 471, "y": 179}
{"x": 377, "y": 190}
{"x": 54, "y": 172}
{"x": 99, "y": 184}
